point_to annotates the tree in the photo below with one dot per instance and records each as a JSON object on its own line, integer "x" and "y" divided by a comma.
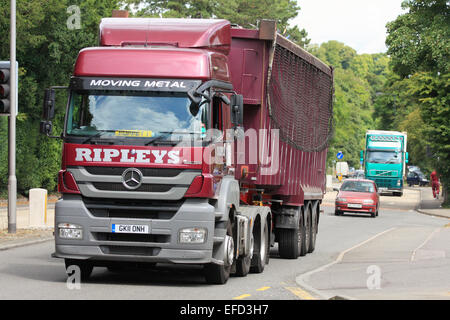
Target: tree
{"x": 419, "y": 39}
{"x": 418, "y": 42}
{"x": 299, "y": 37}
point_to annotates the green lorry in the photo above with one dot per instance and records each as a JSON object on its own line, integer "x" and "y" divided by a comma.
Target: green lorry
{"x": 385, "y": 159}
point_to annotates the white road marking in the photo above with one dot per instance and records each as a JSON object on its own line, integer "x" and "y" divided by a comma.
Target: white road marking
{"x": 424, "y": 243}
{"x": 301, "y": 279}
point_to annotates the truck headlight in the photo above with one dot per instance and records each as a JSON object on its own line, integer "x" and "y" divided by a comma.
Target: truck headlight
{"x": 192, "y": 235}
{"x": 399, "y": 182}
{"x": 70, "y": 231}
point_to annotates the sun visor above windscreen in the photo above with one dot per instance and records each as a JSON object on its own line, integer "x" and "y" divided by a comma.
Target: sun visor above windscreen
{"x": 214, "y": 35}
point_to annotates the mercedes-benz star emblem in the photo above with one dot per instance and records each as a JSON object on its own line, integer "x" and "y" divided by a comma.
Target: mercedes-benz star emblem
{"x": 132, "y": 178}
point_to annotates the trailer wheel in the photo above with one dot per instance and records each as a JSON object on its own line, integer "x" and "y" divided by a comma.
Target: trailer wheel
{"x": 219, "y": 274}
{"x": 313, "y": 233}
{"x": 305, "y": 231}
{"x": 261, "y": 251}
{"x": 84, "y": 267}
{"x": 290, "y": 240}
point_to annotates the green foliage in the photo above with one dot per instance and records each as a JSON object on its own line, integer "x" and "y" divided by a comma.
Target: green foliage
{"x": 299, "y": 37}
{"x": 419, "y": 39}
{"x": 416, "y": 97}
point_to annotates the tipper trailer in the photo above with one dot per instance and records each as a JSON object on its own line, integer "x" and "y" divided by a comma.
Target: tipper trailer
{"x": 190, "y": 141}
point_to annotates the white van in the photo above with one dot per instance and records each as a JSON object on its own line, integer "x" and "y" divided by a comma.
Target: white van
{"x": 342, "y": 169}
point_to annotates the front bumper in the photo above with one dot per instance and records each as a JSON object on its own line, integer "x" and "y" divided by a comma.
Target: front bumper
{"x": 160, "y": 245}
{"x": 365, "y": 208}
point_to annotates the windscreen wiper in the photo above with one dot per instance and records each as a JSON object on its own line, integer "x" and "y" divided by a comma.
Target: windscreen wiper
{"x": 165, "y": 134}
{"x": 98, "y": 134}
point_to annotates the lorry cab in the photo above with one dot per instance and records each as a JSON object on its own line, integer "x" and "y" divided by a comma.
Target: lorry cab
{"x": 385, "y": 160}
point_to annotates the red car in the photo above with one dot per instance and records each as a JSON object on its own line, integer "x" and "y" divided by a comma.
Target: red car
{"x": 358, "y": 196}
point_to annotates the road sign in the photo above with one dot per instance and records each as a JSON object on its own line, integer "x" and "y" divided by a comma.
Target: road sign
{"x": 340, "y": 155}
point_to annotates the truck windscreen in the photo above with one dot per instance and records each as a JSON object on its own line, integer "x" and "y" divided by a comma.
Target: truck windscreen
{"x": 134, "y": 114}
{"x": 390, "y": 156}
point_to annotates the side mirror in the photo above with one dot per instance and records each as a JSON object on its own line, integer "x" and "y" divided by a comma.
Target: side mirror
{"x": 361, "y": 156}
{"x": 237, "y": 109}
{"x": 406, "y": 157}
{"x": 49, "y": 104}
{"x": 46, "y": 127}
{"x": 336, "y": 189}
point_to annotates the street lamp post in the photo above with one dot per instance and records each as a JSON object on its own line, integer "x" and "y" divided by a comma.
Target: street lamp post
{"x": 12, "y": 180}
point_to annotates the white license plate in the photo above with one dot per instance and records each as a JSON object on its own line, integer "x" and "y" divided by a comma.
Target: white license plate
{"x": 354, "y": 205}
{"x": 130, "y": 228}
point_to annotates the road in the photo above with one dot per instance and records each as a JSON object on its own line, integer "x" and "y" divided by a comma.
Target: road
{"x": 399, "y": 255}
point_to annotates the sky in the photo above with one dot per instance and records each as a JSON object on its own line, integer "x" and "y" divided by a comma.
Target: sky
{"x": 360, "y": 24}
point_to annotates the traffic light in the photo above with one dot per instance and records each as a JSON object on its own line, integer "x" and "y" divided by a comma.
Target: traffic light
{"x": 5, "y": 102}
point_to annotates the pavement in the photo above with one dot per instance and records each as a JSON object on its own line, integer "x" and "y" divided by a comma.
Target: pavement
{"x": 26, "y": 235}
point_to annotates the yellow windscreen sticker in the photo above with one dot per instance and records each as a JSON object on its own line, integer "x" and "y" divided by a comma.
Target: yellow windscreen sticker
{"x": 134, "y": 133}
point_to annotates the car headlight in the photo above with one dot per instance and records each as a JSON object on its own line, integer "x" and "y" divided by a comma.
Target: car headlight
{"x": 399, "y": 182}
{"x": 192, "y": 235}
{"x": 70, "y": 231}
{"x": 368, "y": 202}
{"x": 341, "y": 199}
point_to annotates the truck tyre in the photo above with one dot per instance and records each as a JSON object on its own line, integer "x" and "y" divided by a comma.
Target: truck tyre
{"x": 84, "y": 267}
{"x": 261, "y": 250}
{"x": 219, "y": 274}
{"x": 313, "y": 233}
{"x": 305, "y": 231}
{"x": 243, "y": 264}
{"x": 290, "y": 240}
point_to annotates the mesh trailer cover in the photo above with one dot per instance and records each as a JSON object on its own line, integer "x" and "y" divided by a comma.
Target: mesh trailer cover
{"x": 300, "y": 96}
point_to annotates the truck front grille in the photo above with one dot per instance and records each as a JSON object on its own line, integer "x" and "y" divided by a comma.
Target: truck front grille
{"x": 132, "y": 209}
{"x": 147, "y": 172}
{"x": 383, "y": 173}
{"x": 120, "y": 187}
{"x": 155, "y": 183}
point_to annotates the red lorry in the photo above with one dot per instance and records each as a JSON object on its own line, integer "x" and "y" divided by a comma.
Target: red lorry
{"x": 191, "y": 141}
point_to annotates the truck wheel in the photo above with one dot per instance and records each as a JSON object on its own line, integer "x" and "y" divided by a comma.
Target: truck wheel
{"x": 312, "y": 242}
{"x": 290, "y": 240}
{"x": 261, "y": 252}
{"x": 305, "y": 228}
{"x": 219, "y": 274}
{"x": 243, "y": 263}
{"x": 84, "y": 267}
